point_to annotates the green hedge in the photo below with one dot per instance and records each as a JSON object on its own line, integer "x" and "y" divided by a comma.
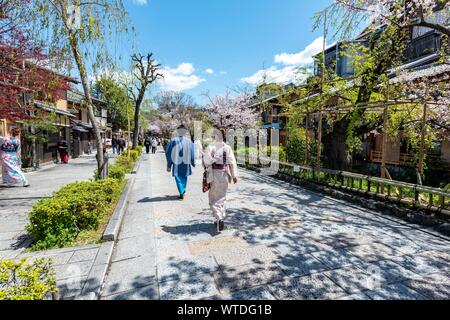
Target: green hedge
{"x": 20, "y": 280}
{"x": 125, "y": 162}
{"x": 56, "y": 222}
{"x": 139, "y": 149}
{"x": 134, "y": 154}
{"x": 117, "y": 172}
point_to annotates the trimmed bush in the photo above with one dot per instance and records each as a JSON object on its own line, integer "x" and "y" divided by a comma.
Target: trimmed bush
{"x": 56, "y": 222}
{"x": 117, "y": 172}
{"x": 125, "y": 162}
{"x": 139, "y": 149}
{"x": 26, "y": 281}
{"x": 134, "y": 154}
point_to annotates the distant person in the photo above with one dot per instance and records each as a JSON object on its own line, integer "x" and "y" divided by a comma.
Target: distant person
{"x": 147, "y": 144}
{"x": 114, "y": 144}
{"x": 89, "y": 147}
{"x": 221, "y": 167}
{"x": 63, "y": 148}
{"x": 165, "y": 143}
{"x": 122, "y": 144}
{"x": 11, "y": 161}
{"x": 180, "y": 159}
{"x": 154, "y": 145}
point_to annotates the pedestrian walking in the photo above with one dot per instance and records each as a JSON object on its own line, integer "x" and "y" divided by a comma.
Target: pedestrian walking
{"x": 154, "y": 145}
{"x": 122, "y": 145}
{"x": 147, "y": 144}
{"x": 114, "y": 144}
{"x": 11, "y": 160}
{"x": 63, "y": 148}
{"x": 221, "y": 170}
{"x": 180, "y": 159}
{"x": 165, "y": 143}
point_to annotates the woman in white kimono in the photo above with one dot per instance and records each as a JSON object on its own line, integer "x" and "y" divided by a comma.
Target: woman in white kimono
{"x": 221, "y": 167}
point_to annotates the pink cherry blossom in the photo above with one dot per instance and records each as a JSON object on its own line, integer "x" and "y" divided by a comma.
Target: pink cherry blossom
{"x": 232, "y": 112}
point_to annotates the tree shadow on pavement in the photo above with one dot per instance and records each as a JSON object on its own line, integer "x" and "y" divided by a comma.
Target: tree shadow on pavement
{"x": 192, "y": 229}
{"x": 158, "y": 199}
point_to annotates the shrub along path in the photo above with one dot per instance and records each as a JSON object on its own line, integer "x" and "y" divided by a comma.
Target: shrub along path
{"x": 281, "y": 242}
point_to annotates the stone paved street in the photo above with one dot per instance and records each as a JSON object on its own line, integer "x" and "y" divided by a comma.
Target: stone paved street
{"x": 280, "y": 242}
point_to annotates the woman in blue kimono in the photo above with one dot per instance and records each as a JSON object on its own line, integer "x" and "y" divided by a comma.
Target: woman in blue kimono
{"x": 10, "y": 158}
{"x": 180, "y": 159}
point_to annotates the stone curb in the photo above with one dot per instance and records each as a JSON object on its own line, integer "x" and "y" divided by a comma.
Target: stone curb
{"x": 432, "y": 223}
{"x": 97, "y": 274}
{"x": 113, "y": 227}
{"x": 136, "y": 165}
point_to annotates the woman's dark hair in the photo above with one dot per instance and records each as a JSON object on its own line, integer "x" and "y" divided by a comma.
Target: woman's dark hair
{"x": 223, "y": 132}
{"x": 15, "y": 132}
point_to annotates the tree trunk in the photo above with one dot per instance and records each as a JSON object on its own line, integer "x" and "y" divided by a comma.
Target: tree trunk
{"x": 87, "y": 95}
{"x": 136, "y": 126}
{"x": 137, "y": 111}
{"x": 335, "y": 147}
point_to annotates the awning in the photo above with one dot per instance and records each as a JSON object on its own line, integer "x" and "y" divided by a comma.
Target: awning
{"x": 79, "y": 129}
{"x": 82, "y": 124}
{"x": 49, "y": 108}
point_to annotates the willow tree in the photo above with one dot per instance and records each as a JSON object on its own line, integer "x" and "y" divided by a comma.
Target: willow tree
{"x": 385, "y": 38}
{"x": 79, "y": 30}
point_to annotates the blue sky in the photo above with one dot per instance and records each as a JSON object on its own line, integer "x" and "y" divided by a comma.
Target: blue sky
{"x": 212, "y": 45}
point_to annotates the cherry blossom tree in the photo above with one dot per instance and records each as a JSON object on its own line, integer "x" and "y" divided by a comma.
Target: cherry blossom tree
{"x": 232, "y": 112}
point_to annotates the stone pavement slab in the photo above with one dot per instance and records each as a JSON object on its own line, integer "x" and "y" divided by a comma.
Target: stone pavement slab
{"x": 247, "y": 276}
{"x": 193, "y": 288}
{"x": 433, "y": 286}
{"x": 396, "y": 291}
{"x": 313, "y": 287}
{"x": 259, "y": 293}
{"x": 130, "y": 274}
{"x": 297, "y": 265}
{"x": 179, "y": 268}
{"x": 247, "y": 255}
{"x": 150, "y": 292}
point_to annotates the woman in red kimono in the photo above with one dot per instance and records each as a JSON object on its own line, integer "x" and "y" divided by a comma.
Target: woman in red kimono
{"x": 63, "y": 150}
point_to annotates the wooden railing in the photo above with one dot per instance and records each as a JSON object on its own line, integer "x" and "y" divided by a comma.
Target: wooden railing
{"x": 409, "y": 194}
{"x": 404, "y": 159}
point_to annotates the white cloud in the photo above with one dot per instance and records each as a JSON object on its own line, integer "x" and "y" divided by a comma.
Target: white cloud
{"x": 285, "y": 75}
{"x": 286, "y": 70}
{"x": 209, "y": 71}
{"x": 180, "y": 78}
{"x": 140, "y": 2}
{"x": 223, "y": 72}
{"x": 303, "y": 57}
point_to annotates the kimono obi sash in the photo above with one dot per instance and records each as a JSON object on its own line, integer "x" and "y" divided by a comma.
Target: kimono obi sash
{"x": 222, "y": 166}
{"x": 9, "y": 147}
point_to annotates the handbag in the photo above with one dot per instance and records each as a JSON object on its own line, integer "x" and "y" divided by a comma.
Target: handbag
{"x": 205, "y": 185}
